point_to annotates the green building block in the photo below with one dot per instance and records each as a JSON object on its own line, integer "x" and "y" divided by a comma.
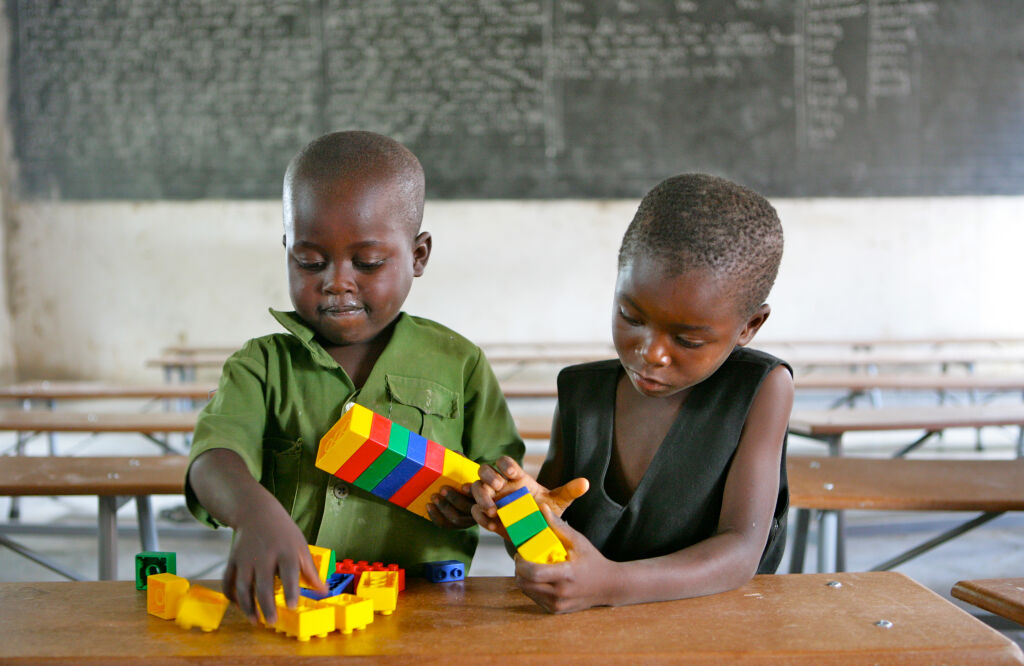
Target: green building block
{"x": 151, "y": 562}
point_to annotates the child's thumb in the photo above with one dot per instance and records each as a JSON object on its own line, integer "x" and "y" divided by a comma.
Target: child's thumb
{"x": 563, "y": 496}
{"x": 565, "y": 534}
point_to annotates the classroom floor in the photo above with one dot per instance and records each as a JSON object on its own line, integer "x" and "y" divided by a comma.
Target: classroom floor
{"x": 994, "y": 550}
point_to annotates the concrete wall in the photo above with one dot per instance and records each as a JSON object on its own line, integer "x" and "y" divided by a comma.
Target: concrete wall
{"x": 97, "y": 288}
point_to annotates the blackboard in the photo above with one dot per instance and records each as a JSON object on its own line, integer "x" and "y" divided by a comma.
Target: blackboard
{"x": 162, "y": 99}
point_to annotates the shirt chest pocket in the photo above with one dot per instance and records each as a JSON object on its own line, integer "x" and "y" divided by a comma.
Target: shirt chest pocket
{"x": 426, "y": 407}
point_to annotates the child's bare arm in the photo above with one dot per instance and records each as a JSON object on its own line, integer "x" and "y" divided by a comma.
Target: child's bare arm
{"x": 267, "y": 541}
{"x": 722, "y": 562}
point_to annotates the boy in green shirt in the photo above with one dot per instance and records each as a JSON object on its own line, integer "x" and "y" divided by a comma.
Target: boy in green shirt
{"x": 353, "y": 204}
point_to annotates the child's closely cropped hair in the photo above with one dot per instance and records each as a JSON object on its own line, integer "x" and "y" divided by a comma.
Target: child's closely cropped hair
{"x": 667, "y": 464}
{"x": 353, "y": 204}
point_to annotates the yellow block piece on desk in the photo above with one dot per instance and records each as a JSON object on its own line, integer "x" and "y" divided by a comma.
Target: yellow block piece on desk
{"x": 309, "y": 618}
{"x": 201, "y": 607}
{"x": 350, "y": 611}
{"x": 164, "y": 593}
{"x": 543, "y": 548}
{"x": 381, "y": 587}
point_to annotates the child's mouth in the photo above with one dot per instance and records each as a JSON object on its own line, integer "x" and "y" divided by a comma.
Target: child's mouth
{"x": 341, "y": 310}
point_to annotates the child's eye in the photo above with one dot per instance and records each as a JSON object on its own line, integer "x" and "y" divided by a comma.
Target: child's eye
{"x": 311, "y": 266}
{"x": 368, "y": 265}
{"x": 629, "y": 320}
{"x": 689, "y": 344}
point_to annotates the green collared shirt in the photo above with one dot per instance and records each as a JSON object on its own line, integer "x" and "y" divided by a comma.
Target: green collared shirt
{"x": 280, "y": 393}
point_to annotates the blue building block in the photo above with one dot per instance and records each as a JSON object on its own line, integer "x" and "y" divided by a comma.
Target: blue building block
{"x": 511, "y": 497}
{"x": 337, "y": 583}
{"x": 444, "y": 571}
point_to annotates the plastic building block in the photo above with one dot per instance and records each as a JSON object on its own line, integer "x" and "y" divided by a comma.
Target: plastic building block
{"x": 544, "y": 547}
{"x": 386, "y": 459}
{"x": 309, "y": 618}
{"x": 164, "y": 592}
{"x": 357, "y": 568}
{"x": 444, "y": 571}
{"x": 151, "y": 562}
{"x": 201, "y": 607}
{"x": 323, "y": 559}
{"x": 382, "y": 588}
{"x": 350, "y": 612}
{"x": 517, "y": 510}
{"x": 336, "y": 584}
{"x": 523, "y": 529}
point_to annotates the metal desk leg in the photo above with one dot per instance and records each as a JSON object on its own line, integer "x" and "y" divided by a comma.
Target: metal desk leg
{"x": 828, "y": 530}
{"x": 147, "y": 526}
{"x": 108, "y": 537}
{"x": 835, "y": 449}
{"x": 799, "y": 552}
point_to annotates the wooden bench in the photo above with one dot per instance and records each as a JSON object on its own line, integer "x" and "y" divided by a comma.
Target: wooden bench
{"x": 828, "y": 485}
{"x": 851, "y": 618}
{"x": 110, "y": 479}
{"x": 1002, "y": 596}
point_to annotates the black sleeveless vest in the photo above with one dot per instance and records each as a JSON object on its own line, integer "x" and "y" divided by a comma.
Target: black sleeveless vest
{"x": 679, "y": 499}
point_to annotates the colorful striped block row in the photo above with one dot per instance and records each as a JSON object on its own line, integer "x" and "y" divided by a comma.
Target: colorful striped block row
{"x": 386, "y": 459}
{"x": 528, "y": 530}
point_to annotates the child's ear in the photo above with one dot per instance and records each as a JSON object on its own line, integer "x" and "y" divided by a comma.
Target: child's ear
{"x": 421, "y": 253}
{"x": 754, "y": 324}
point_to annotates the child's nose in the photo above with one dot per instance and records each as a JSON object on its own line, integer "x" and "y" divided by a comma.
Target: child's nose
{"x": 654, "y": 350}
{"x": 340, "y": 279}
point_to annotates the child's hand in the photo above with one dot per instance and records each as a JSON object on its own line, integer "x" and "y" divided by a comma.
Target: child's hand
{"x": 510, "y": 476}
{"x": 585, "y": 579}
{"x": 268, "y": 543}
{"x": 450, "y": 508}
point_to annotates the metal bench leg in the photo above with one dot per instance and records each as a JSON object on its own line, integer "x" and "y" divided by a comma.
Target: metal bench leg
{"x": 38, "y": 558}
{"x": 828, "y": 526}
{"x": 799, "y": 546}
{"x": 147, "y": 526}
{"x": 108, "y": 537}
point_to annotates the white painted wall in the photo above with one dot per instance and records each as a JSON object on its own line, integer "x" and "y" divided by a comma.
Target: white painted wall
{"x": 97, "y": 288}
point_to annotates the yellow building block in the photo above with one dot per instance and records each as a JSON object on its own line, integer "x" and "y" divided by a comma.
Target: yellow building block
{"x": 344, "y": 438}
{"x": 164, "y": 593}
{"x": 457, "y": 470}
{"x": 309, "y": 618}
{"x": 322, "y": 560}
{"x": 350, "y": 611}
{"x": 543, "y": 547}
{"x": 517, "y": 510}
{"x": 381, "y": 587}
{"x": 201, "y": 607}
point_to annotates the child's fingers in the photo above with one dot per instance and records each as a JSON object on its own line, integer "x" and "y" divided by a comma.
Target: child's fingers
{"x": 483, "y": 497}
{"x": 565, "y": 534}
{"x": 457, "y": 500}
{"x": 228, "y": 580}
{"x": 563, "y": 496}
{"x": 243, "y": 591}
{"x": 265, "y": 597}
{"x": 509, "y": 468}
{"x": 491, "y": 477}
{"x": 483, "y": 519}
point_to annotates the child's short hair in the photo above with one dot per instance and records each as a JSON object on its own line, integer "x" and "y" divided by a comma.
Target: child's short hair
{"x": 358, "y": 154}
{"x": 701, "y": 221}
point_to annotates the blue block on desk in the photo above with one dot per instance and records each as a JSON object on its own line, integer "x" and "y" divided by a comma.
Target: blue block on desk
{"x": 336, "y": 584}
{"x": 415, "y": 458}
{"x": 444, "y": 571}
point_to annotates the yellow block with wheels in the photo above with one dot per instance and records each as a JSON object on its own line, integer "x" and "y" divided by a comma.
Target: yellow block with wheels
{"x": 544, "y": 548}
{"x": 164, "y": 593}
{"x": 201, "y": 607}
{"x": 350, "y": 611}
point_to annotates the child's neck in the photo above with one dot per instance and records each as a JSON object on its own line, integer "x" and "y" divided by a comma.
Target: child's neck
{"x": 358, "y": 359}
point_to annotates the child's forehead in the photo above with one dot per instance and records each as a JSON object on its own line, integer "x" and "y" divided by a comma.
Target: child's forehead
{"x": 660, "y": 279}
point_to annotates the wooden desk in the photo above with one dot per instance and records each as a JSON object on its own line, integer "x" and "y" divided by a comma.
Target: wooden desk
{"x": 109, "y": 478}
{"x": 829, "y": 426}
{"x": 1002, "y": 596}
{"x": 781, "y": 619}
{"x": 829, "y": 485}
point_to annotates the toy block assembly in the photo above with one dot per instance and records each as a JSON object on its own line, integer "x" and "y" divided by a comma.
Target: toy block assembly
{"x": 309, "y": 618}
{"x": 350, "y": 612}
{"x": 444, "y": 571}
{"x": 201, "y": 607}
{"x": 357, "y": 568}
{"x": 336, "y": 584}
{"x": 152, "y": 562}
{"x": 527, "y": 528}
{"x": 388, "y": 460}
{"x": 164, "y": 592}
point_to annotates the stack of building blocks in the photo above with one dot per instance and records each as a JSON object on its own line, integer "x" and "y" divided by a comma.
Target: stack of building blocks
{"x": 201, "y": 607}
{"x": 347, "y": 566}
{"x": 386, "y": 459}
{"x": 151, "y": 562}
{"x": 444, "y": 571}
{"x": 527, "y": 528}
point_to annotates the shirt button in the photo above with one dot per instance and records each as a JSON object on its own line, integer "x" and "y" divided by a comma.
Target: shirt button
{"x": 340, "y": 491}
